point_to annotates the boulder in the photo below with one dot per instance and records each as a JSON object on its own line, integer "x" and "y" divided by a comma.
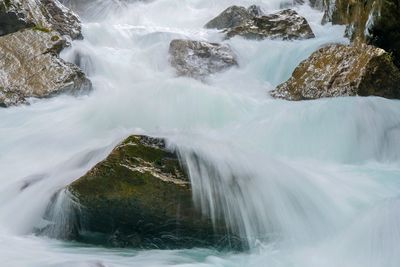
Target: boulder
{"x": 50, "y": 15}
{"x": 231, "y": 17}
{"x": 140, "y": 196}
{"x": 30, "y": 67}
{"x": 198, "y": 59}
{"x": 343, "y": 70}
{"x": 286, "y": 24}
{"x": 369, "y": 21}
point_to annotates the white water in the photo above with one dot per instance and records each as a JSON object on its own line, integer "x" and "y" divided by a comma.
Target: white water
{"x": 311, "y": 183}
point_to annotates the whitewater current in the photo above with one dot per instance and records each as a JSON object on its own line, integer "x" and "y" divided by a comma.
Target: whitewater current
{"x": 308, "y": 184}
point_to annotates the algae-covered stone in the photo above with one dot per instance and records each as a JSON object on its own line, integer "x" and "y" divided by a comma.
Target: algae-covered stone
{"x": 30, "y": 67}
{"x": 286, "y": 24}
{"x": 343, "y": 70}
{"x": 198, "y": 59}
{"x": 140, "y": 196}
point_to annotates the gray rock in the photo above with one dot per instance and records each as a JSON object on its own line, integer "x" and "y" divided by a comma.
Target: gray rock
{"x": 255, "y": 11}
{"x": 231, "y": 17}
{"x": 286, "y": 24}
{"x": 30, "y": 67}
{"x": 62, "y": 19}
{"x": 343, "y": 70}
{"x": 50, "y": 15}
{"x": 198, "y": 59}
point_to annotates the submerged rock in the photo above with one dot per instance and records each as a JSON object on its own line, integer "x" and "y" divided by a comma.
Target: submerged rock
{"x": 49, "y": 15}
{"x": 30, "y": 67}
{"x": 198, "y": 59}
{"x": 286, "y": 24}
{"x": 343, "y": 70}
{"x": 140, "y": 196}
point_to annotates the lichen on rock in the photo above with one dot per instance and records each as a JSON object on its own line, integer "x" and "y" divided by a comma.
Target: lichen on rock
{"x": 343, "y": 70}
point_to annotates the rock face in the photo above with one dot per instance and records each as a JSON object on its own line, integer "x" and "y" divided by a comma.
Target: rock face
{"x": 32, "y": 34}
{"x": 341, "y": 70}
{"x": 45, "y": 14}
{"x": 30, "y": 67}
{"x": 285, "y": 24}
{"x": 374, "y": 22}
{"x": 198, "y": 59}
{"x": 140, "y": 196}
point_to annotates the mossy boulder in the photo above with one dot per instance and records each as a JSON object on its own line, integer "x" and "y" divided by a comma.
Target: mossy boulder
{"x": 343, "y": 70}
{"x": 286, "y": 24}
{"x": 140, "y": 196}
{"x": 30, "y": 67}
{"x": 375, "y": 22}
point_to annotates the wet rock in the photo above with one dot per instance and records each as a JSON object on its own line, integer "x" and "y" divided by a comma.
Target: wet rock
{"x": 291, "y": 3}
{"x": 30, "y": 67}
{"x": 255, "y": 11}
{"x": 286, "y": 24}
{"x": 198, "y": 59}
{"x": 317, "y": 4}
{"x": 50, "y": 15}
{"x": 234, "y": 16}
{"x": 343, "y": 70}
{"x": 370, "y": 21}
{"x": 140, "y": 196}
{"x": 62, "y": 19}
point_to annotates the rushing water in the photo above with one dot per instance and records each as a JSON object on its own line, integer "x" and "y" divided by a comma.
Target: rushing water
{"x": 311, "y": 183}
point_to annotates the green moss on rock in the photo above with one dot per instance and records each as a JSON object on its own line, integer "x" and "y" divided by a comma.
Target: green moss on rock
{"x": 140, "y": 196}
{"x": 41, "y": 29}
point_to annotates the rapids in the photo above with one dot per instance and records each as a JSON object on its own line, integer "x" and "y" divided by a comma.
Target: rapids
{"x": 311, "y": 183}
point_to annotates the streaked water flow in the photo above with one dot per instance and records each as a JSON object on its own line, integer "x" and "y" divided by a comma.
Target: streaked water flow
{"x": 312, "y": 183}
